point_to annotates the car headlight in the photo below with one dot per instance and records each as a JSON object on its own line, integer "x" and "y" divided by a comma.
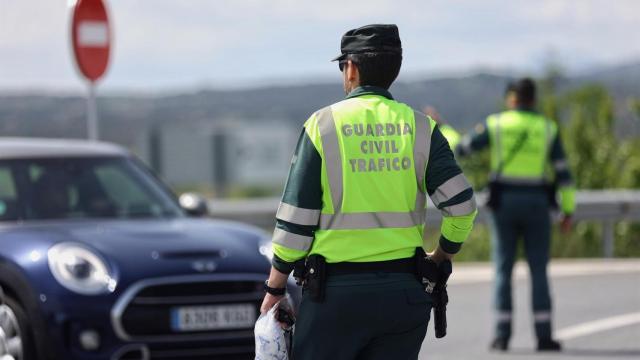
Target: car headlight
{"x": 80, "y": 269}
{"x": 266, "y": 249}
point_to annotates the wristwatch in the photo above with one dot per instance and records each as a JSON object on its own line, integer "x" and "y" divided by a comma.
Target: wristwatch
{"x": 273, "y": 291}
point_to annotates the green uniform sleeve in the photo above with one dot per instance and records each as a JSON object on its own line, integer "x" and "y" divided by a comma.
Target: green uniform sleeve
{"x": 568, "y": 199}
{"x": 451, "y": 193}
{"x": 299, "y": 211}
{"x": 477, "y": 140}
{"x": 563, "y": 176}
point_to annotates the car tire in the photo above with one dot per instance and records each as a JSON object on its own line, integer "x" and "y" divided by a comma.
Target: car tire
{"x": 15, "y": 325}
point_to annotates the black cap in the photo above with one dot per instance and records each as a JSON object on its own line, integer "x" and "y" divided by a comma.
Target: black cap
{"x": 376, "y": 38}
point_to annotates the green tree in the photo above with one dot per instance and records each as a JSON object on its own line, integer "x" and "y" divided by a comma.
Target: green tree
{"x": 634, "y": 105}
{"x": 590, "y": 139}
{"x": 599, "y": 160}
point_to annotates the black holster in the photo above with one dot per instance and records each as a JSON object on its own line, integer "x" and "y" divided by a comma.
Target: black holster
{"x": 441, "y": 299}
{"x": 312, "y": 276}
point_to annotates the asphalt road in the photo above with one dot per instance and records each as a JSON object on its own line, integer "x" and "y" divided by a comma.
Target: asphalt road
{"x": 596, "y": 313}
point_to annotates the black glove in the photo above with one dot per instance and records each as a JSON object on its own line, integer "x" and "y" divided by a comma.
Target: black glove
{"x": 428, "y": 271}
{"x": 434, "y": 278}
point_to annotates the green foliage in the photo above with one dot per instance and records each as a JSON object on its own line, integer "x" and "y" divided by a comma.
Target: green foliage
{"x": 475, "y": 169}
{"x": 598, "y": 160}
{"x": 634, "y": 105}
{"x": 476, "y": 248}
{"x": 597, "y": 157}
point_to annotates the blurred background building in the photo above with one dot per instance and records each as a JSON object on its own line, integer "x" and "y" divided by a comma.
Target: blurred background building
{"x": 218, "y": 156}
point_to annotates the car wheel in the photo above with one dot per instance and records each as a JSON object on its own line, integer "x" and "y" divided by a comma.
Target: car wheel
{"x": 16, "y": 342}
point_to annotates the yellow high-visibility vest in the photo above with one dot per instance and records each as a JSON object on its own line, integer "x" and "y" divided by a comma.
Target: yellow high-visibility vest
{"x": 520, "y": 145}
{"x": 374, "y": 157}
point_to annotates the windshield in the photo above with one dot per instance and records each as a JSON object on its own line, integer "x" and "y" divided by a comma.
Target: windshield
{"x": 70, "y": 188}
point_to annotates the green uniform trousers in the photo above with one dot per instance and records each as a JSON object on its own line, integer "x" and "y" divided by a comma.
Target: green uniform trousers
{"x": 522, "y": 213}
{"x": 364, "y": 317}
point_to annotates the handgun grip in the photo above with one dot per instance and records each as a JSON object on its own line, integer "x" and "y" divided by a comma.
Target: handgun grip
{"x": 440, "y": 321}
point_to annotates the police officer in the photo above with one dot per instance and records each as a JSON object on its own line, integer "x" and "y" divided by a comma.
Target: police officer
{"x": 523, "y": 143}
{"x": 355, "y": 197}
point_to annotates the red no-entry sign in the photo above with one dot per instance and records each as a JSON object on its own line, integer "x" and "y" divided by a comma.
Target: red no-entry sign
{"x": 91, "y": 36}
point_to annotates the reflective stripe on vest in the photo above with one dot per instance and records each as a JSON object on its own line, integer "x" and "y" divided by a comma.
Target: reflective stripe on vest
{"x": 291, "y": 240}
{"x": 421, "y": 148}
{"x": 449, "y": 189}
{"x": 464, "y": 208}
{"x": 560, "y": 165}
{"x": 371, "y": 220}
{"x": 331, "y": 150}
{"x": 297, "y": 215}
{"x": 334, "y": 166}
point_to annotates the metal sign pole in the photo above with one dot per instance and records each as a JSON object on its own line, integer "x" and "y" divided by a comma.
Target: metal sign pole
{"x": 92, "y": 113}
{"x": 91, "y": 39}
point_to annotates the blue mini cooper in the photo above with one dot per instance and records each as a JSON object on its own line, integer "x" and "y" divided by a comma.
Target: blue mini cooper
{"x": 98, "y": 260}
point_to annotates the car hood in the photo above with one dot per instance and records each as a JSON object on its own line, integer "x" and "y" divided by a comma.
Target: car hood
{"x": 138, "y": 249}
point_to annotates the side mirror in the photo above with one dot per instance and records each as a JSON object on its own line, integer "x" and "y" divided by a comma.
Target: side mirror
{"x": 194, "y": 204}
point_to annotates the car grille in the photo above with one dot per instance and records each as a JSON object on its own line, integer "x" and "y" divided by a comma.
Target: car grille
{"x": 144, "y": 312}
{"x": 235, "y": 350}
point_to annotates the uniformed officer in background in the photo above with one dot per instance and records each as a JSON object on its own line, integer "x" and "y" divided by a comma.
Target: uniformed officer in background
{"x": 354, "y": 207}
{"x": 523, "y": 145}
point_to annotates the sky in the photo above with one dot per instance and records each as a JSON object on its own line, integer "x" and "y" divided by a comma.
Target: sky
{"x": 178, "y": 45}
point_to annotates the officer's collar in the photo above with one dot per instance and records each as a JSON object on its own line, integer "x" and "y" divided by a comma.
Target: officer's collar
{"x": 526, "y": 108}
{"x": 369, "y": 90}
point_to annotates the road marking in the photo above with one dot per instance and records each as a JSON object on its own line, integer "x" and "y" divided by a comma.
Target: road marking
{"x": 596, "y": 326}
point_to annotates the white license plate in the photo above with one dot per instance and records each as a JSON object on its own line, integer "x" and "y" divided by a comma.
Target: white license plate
{"x": 213, "y": 317}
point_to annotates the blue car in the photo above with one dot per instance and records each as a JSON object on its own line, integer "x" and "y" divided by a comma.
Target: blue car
{"x": 99, "y": 261}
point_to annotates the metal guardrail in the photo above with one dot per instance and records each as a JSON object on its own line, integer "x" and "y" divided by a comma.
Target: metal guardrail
{"x": 606, "y": 206}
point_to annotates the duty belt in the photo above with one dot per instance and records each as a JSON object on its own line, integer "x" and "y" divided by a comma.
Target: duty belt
{"x": 406, "y": 265}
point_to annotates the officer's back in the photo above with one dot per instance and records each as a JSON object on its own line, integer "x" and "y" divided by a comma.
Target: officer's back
{"x": 353, "y": 212}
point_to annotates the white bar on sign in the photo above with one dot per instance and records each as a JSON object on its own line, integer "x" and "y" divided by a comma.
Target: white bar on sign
{"x": 93, "y": 34}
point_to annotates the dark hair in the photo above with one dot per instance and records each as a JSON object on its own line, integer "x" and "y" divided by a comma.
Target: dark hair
{"x": 377, "y": 69}
{"x": 525, "y": 90}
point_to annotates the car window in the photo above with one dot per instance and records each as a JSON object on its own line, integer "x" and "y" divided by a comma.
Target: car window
{"x": 124, "y": 192}
{"x": 54, "y": 191}
{"x": 8, "y": 195}
{"x": 81, "y": 188}
{"x": 7, "y": 185}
